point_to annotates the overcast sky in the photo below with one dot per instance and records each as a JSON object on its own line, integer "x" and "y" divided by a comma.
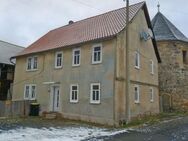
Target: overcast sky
{"x": 23, "y": 21}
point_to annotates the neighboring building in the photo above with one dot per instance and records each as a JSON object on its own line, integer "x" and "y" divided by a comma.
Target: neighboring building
{"x": 173, "y": 71}
{"x": 79, "y": 69}
{"x": 7, "y": 50}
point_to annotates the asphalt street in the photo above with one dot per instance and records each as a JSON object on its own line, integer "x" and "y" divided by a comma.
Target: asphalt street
{"x": 171, "y": 130}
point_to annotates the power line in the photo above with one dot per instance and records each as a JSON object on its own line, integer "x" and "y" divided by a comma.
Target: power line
{"x": 86, "y": 4}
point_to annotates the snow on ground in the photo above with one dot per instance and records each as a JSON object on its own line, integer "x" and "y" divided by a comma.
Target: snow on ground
{"x": 56, "y": 134}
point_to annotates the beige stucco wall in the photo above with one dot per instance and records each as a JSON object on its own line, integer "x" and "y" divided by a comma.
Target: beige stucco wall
{"x": 83, "y": 75}
{"x": 111, "y": 75}
{"x": 141, "y": 77}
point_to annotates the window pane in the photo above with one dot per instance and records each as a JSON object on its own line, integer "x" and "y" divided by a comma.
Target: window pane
{"x": 95, "y": 87}
{"x": 29, "y": 64}
{"x": 97, "y": 95}
{"x": 74, "y": 87}
{"x": 35, "y": 63}
{"x": 97, "y": 48}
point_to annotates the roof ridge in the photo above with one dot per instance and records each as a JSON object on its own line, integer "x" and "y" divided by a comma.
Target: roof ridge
{"x": 97, "y": 15}
{"x": 11, "y": 44}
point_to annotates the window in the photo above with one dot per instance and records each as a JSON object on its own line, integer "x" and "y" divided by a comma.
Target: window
{"x": 30, "y": 92}
{"x": 137, "y": 60}
{"x": 32, "y": 63}
{"x": 136, "y": 94}
{"x": 74, "y": 93}
{"x": 95, "y": 93}
{"x": 151, "y": 93}
{"x": 58, "y": 59}
{"x": 151, "y": 67}
{"x": 97, "y": 54}
{"x": 185, "y": 58}
{"x": 76, "y": 57}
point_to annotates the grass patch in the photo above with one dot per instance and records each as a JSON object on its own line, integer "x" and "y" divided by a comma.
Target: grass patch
{"x": 153, "y": 119}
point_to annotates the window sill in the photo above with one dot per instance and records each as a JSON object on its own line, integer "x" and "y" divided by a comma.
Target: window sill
{"x": 60, "y": 67}
{"x": 151, "y": 101}
{"x": 74, "y": 102}
{"x": 137, "y": 102}
{"x": 136, "y": 67}
{"x": 76, "y": 65}
{"x": 96, "y": 63}
{"x": 95, "y": 103}
{"x": 32, "y": 70}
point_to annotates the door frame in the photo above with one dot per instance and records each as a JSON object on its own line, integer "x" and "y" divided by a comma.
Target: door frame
{"x": 52, "y": 98}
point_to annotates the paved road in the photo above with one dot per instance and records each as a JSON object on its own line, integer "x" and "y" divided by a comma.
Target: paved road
{"x": 174, "y": 130}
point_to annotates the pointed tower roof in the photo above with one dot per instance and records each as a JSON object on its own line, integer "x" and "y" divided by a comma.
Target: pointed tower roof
{"x": 165, "y": 30}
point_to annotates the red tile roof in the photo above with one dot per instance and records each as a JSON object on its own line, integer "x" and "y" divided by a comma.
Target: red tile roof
{"x": 97, "y": 27}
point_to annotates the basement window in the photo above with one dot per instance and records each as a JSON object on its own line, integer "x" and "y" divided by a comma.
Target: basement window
{"x": 185, "y": 58}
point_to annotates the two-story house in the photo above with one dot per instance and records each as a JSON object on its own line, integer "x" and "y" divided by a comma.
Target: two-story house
{"x": 78, "y": 70}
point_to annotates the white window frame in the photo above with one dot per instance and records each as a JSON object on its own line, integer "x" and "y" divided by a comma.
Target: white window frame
{"x": 73, "y": 100}
{"x": 56, "y": 59}
{"x": 73, "y": 55}
{"x": 91, "y": 93}
{"x": 138, "y": 94}
{"x": 137, "y": 58}
{"x": 151, "y": 94}
{"x": 32, "y": 63}
{"x": 151, "y": 67}
{"x": 93, "y": 52}
{"x": 30, "y": 92}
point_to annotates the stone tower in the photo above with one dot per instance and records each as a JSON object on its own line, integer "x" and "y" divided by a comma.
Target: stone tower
{"x": 173, "y": 71}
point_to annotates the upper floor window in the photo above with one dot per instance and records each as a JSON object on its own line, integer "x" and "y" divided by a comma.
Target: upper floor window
{"x": 58, "y": 60}
{"x": 74, "y": 93}
{"x": 137, "y": 59}
{"x": 185, "y": 57}
{"x": 151, "y": 92}
{"x": 32, "y": 63}
{"x": 97, "y": 54}
{"x": 30, "y": 92}
{"x": 95, "y": 93}
{"x": 76, "y": 56}
{"x": 151, "y": 67}
{"x": 136, "y": 94}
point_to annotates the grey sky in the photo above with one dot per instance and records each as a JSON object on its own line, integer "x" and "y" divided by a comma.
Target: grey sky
{"x": 23, "y": 21}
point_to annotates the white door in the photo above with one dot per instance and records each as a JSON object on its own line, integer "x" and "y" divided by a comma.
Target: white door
{"x": 56, "y": 99}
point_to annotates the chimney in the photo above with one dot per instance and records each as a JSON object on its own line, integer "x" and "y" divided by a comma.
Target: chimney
{"x": 71, "y": 22}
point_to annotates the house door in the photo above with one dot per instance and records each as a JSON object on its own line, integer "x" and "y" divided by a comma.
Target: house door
{"x": 56, "y": 99}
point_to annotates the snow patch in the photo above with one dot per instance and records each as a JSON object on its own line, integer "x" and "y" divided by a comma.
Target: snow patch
{"x": 56, "y": 134}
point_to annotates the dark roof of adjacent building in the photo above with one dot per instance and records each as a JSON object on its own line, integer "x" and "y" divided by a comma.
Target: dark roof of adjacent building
{"x": 164, "y": 30}
{"x": 102, "y": 26}
{"x": 7, "y": 50}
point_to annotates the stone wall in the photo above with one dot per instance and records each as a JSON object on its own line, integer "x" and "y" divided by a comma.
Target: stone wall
{"x": 173, "y": 75}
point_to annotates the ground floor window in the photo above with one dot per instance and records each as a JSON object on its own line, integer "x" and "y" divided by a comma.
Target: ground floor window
{"x": 30, "y": 92}
{"x": 136, "y": 94}
{"x": 95, "y": 93}
{"x": 74, "y": 93}
{"x": 151, "y": 92}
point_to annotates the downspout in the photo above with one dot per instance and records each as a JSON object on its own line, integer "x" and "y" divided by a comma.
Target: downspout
{"x": 10, "y": 59}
